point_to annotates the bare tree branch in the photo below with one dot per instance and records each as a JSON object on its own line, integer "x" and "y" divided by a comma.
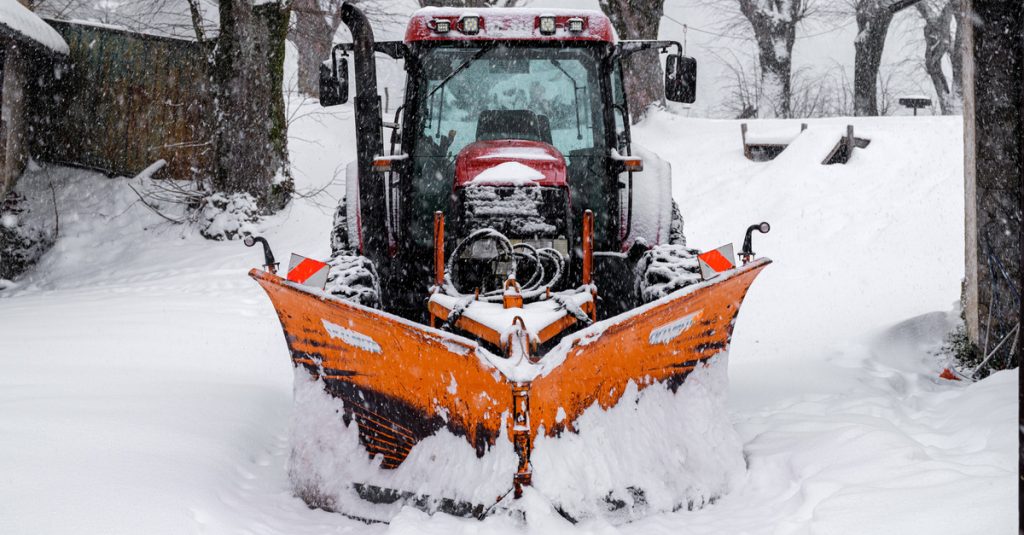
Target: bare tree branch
{"x": 197, "y": 20}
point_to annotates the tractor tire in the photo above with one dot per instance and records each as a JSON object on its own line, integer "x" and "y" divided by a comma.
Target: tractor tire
{"x": 352, "y": 277}
{"x": 675, "y": 229}
{"x": 665, "y": 269}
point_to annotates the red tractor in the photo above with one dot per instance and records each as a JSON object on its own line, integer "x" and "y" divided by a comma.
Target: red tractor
{"x": 514, "y": 120}
{"x": 506, "y": 273}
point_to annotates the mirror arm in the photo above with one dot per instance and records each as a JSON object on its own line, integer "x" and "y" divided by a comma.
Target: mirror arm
{"x": 627, "y": 48}
{"x": 392, "y": 49}
{"x": 344, "y": 48}
{"x": 625, "y": 127}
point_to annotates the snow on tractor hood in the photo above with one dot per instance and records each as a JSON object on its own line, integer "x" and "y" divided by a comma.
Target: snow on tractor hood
{"x": 511, "y": 162}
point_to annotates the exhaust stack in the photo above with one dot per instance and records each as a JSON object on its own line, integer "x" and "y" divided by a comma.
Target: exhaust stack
{"x": 369, "y": 140}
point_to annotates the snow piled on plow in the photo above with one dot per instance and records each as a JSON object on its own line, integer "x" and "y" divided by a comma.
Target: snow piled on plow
{"x": 327, "y": 461}
{"x": 655, "y": 451}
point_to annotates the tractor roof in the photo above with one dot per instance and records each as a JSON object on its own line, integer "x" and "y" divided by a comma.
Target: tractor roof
{"x": 516, "y": 24}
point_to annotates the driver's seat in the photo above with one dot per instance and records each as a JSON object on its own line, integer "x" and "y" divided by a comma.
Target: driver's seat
{"x": 511, "y": 124}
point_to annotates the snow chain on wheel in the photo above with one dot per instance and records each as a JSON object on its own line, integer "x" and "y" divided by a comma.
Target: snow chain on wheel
{"x": 675, "y": 229}
{"x": 665, "y": 269}
{"x": 352, "y": 277}
{"x": 339, "y": 234}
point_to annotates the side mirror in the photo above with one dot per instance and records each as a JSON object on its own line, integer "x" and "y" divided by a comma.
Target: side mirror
{"x": 681, "y": 79}
{"x": 334, "y": 82}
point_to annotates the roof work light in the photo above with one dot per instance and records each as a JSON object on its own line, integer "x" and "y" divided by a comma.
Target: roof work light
{"x": 575, "y": 25}
{"x": 546, "y": 23}
{"x": 470, "y": 24}
{"x": 442, "y": 25}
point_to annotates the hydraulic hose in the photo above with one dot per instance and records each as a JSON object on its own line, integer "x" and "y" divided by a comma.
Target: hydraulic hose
{"x": 520, "y": 254}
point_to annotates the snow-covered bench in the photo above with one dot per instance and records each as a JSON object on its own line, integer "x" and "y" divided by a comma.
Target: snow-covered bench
{"x": 767, "y": 143}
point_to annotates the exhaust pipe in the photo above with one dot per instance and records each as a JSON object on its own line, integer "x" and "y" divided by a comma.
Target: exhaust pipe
{"x": 369, "y": 139}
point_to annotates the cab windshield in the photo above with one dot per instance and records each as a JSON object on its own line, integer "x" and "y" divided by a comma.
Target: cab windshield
{"x": 550, "y": 94}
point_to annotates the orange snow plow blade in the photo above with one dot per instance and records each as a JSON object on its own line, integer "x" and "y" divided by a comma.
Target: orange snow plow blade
{"x": 393, "y": 374}
{"x": 402, "y": 382}
{"x": 661, "y": 342}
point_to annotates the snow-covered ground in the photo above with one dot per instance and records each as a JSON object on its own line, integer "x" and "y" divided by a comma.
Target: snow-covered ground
{"x": 145, "y": 386}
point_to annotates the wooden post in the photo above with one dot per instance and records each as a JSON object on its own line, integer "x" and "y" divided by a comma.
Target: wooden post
{"x": 13, "y": 145}
{"x": 993, "y": 74}
{"x": 743, "y": 134}
{"x": 850, "y": 143}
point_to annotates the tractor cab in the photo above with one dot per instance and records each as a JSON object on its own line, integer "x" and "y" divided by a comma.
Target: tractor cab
{"x": 513, "y": 120}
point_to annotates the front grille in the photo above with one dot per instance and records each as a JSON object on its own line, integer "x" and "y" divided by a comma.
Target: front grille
{"x": 516, "y": 212}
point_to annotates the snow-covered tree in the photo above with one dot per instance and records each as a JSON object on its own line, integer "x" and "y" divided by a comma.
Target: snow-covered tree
{"x": 316, "y": 24}
{"x": 774, "y": 24}
{"x": 938, "y": 17}
{"x": 247, "y": 68}
{"x": 873, "y": 19}
{"x": 639, "y": 19}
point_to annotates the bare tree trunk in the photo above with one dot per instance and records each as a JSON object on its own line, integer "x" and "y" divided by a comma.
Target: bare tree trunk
{"x": 248, "y": 73}
{"x": 639, "y": 19}
{"x": 956, "y": 57}
{"x": 316, "y": 22}
{"x": 873, "y": 19}
{"x": 774, "y": 25}
{"x": 937, "y": 15}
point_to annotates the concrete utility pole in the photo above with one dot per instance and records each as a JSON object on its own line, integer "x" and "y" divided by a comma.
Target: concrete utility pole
{"x": 993, "y": 169}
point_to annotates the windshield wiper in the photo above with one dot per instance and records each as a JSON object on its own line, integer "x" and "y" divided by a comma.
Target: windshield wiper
{"x": 463, "y": 67}
{"x": 575, "y": 96}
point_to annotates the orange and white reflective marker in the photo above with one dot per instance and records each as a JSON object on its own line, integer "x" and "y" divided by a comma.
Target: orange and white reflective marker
{"x": 714, "y": 262}
{"x": 307, "y": 271}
